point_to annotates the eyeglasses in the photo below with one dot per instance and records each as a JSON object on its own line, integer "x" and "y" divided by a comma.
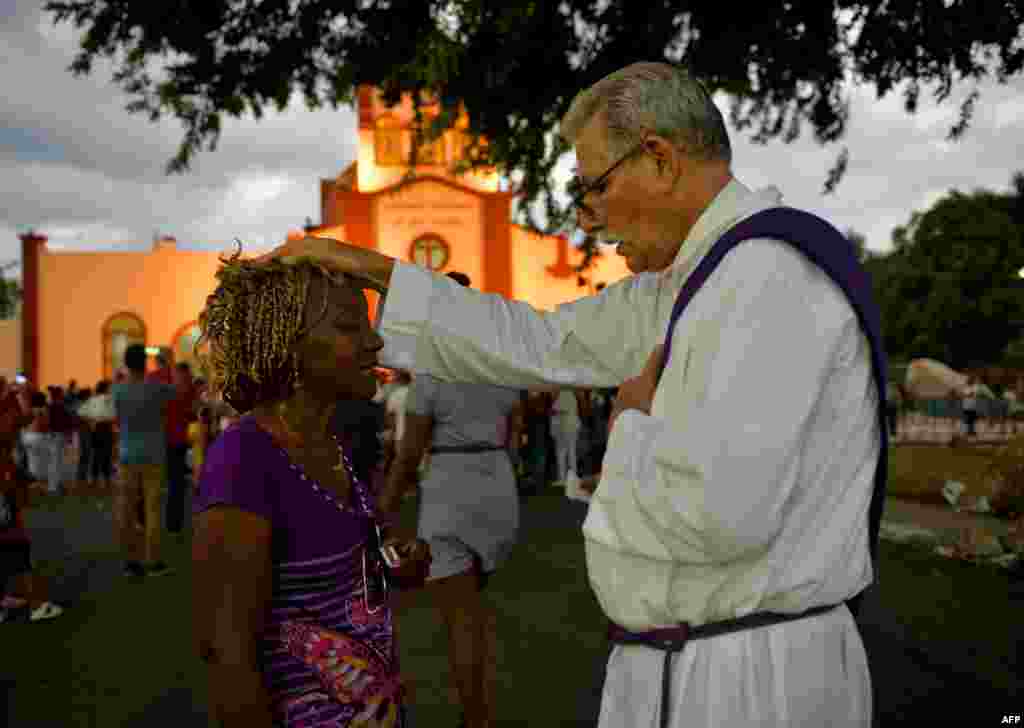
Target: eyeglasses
{"x": 578, "y": 190}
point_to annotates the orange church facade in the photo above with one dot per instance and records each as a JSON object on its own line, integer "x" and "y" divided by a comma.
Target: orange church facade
{"x": 81, "y": 309}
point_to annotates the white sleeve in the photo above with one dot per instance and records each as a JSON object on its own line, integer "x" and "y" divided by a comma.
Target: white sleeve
{"x": 710, "y": 485}
{"x": 431, "y": 324}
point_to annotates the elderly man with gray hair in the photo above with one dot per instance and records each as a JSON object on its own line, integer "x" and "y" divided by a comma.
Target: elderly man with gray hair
{"x": 735, "y": 522}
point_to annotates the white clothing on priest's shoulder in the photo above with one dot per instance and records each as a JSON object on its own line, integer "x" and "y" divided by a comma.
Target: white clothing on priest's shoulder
{"x": 747, "y": 487}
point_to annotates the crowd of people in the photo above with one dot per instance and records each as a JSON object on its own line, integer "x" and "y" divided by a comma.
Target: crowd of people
{"x": 129, "y": 438}
{"x": 69, "y": 440}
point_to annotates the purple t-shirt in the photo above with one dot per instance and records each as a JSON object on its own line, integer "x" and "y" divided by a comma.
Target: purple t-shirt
{"x": 318, "y": 546}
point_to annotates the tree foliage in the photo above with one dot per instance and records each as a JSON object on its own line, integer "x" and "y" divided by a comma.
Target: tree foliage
{"x": 786, "y": 65}
{"x": 950, "y": 289}
{"x": 860, "y": 244}
{"x": 10, "y": 296}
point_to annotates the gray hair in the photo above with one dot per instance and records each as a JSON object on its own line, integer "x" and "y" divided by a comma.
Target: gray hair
{"x": 664, "y": 99}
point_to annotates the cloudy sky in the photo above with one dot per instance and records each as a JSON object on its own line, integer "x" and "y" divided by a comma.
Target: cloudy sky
{"x": 78, "y": 167}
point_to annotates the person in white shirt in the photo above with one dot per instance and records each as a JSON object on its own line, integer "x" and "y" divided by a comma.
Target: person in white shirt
{"x": 98, "y": 410}
{"x": 394, "y": 418}
{"x": 395, "y": 405}
{"x": 565, "y": 429}
{"x": 736, "y": 484}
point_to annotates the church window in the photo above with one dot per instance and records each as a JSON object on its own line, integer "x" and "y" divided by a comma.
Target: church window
{"x": 430, "y": 251}
{"x": 119, "y": 332}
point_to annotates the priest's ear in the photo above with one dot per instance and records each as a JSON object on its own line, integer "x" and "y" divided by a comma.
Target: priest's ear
{"x": 669, "y": 160}
{"x": 661, "y": 151}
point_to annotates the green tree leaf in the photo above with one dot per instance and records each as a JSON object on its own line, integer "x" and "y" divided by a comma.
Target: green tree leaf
{"x": 517, "y": 66}
{"x": 950, "y": 289}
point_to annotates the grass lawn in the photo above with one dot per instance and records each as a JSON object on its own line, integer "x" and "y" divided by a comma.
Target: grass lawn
{"x": 965, "y": 616}
{"x": 121, "y": 656}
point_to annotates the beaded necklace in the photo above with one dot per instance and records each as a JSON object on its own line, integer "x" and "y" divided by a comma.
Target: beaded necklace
{"x": 359, "y": 492}
{"x": 362, "y": 499}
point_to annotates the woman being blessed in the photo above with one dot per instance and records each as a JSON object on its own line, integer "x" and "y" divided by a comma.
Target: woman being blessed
{"x": 291, "y": 610}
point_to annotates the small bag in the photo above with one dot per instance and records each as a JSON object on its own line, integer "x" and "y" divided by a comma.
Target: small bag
{"x": 408, "y": 574}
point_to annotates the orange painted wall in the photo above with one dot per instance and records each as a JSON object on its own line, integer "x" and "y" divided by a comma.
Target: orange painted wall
{"x": 532, "y": 254}
{"x": 79, "y": 291}
{"x": 167, "y": 288}
{"x": 425, "y": 207}
{"x": 10, "y": 347}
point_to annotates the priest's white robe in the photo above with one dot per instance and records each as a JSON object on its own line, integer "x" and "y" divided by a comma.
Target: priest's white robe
{"x": 745, "y": 489}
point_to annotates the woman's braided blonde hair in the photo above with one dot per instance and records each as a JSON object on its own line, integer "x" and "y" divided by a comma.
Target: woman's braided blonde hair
{"x": 253, "y": 323}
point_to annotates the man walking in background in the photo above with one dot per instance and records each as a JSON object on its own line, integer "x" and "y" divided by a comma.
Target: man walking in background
{"x": 83, "y": 431}
{"x": 179, "y": 414}
{"x": 62, "y": 425}
{"x": 162, "y": 373}
{"x": 142, "y": 452}
{"x": 99, "y": 413}
{"x": 565, "y": 428}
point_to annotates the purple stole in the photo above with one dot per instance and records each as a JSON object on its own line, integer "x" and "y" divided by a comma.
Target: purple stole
{"x": 831, "y": 251}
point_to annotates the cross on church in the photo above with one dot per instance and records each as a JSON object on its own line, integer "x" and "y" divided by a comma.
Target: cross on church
{"x": 430, "y": 252}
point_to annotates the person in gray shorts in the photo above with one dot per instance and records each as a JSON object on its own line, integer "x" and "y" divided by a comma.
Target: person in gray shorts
{"x": 468, "y": 513}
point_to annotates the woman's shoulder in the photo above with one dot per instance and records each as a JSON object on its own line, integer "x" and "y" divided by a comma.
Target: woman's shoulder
{"x": 243, "y": 445}
{"x": 243, "y": 432}
{"x": 240, "y": 467}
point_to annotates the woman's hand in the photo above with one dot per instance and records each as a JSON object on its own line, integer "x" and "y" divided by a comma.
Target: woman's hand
{"x": 373, "y": 268}
{"x": 414, "y": 554}
{"x": 416, "y": 550}
{"x": 408, "y": 546}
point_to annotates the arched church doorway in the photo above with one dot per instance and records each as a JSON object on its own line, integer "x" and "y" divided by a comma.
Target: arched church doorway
{"x": 119, "y": 332}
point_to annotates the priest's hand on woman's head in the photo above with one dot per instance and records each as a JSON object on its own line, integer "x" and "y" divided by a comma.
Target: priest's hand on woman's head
{"x": 369, "y": 266}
